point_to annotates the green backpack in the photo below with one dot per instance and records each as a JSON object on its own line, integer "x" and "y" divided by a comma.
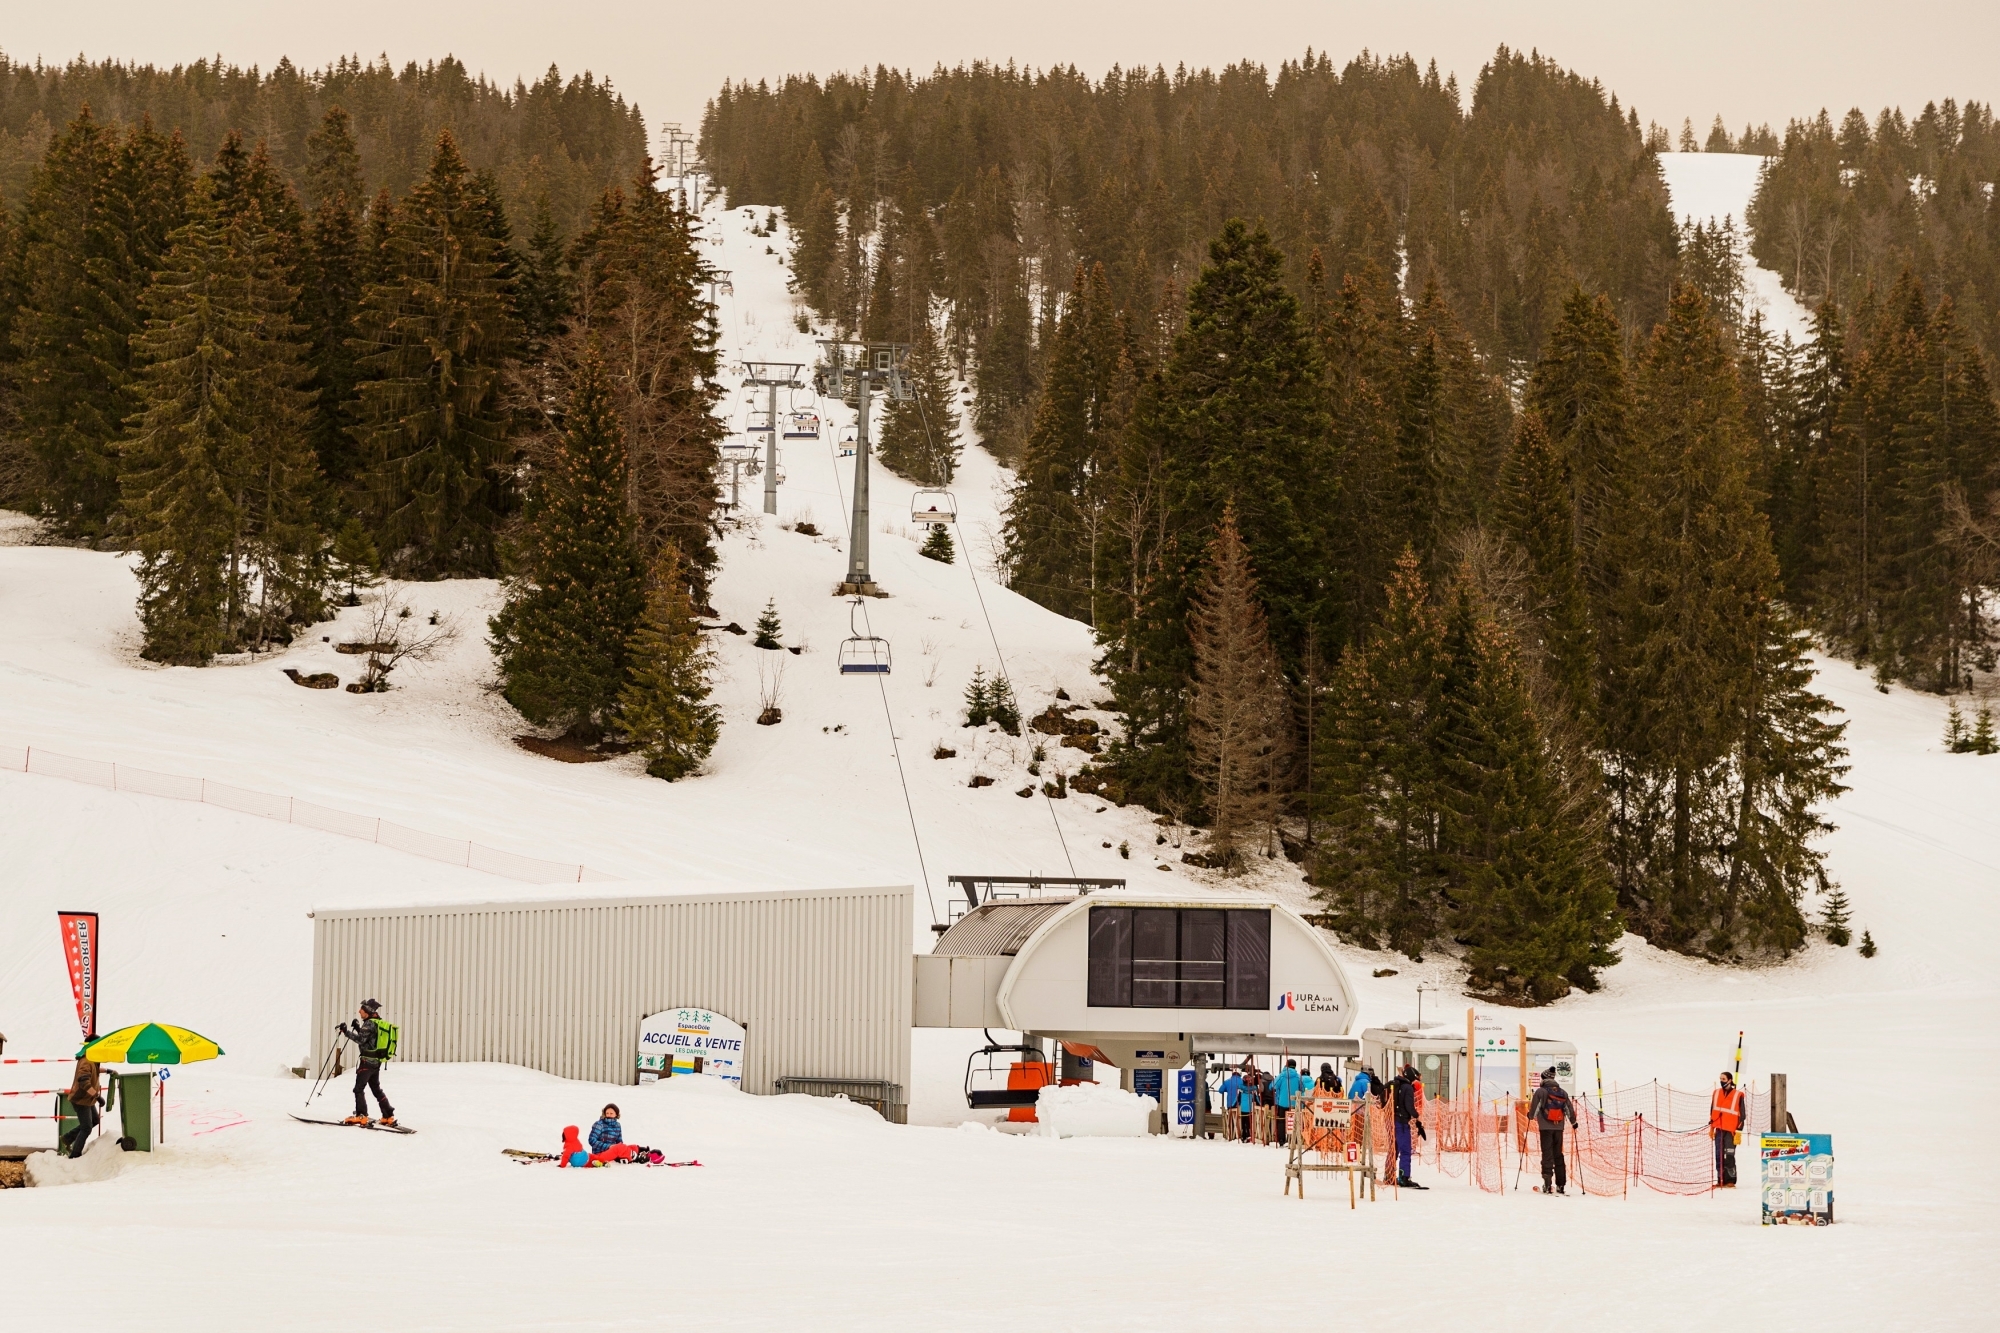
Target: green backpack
{"x": 386, "y": 1034}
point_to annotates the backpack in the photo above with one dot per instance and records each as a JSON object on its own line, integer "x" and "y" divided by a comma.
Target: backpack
{"x": 386, "y": 1034}
{"x": 1555, "y": 1107}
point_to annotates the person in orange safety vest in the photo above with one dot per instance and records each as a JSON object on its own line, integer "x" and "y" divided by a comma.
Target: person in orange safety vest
{"x": 1726, "y": 1112}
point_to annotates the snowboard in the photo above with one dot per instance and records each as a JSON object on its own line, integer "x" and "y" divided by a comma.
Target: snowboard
{"x": 386, "y": 1129}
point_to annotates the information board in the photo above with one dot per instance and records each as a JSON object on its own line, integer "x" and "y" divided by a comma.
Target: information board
{"x": 690, "y": 1041}
{"x": 1796, "y": 1179}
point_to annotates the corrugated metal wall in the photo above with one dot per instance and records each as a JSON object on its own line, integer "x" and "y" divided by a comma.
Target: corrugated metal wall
{"x": 819, "y": 978}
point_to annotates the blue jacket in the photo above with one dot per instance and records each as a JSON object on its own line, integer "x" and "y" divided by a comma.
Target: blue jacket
{"x": 1289, "y": 1085}
{"x": 1232, "y": 1093}
{"x": 605, "y": 1133}
{"x": 1362, "y": 1086}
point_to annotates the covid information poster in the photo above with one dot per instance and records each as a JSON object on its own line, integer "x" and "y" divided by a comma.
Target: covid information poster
{"x": 1796, "y": 1176}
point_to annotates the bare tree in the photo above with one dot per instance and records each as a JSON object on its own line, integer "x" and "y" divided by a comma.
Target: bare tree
{"x": 394, "y": 636}
{"x": 1239, "y": 723}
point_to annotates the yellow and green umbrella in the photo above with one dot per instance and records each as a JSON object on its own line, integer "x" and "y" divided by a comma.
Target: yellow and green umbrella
{"x": 150, "y": 1044}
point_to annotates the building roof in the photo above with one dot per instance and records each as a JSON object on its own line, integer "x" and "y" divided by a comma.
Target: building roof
{"x": 998, "y": 929}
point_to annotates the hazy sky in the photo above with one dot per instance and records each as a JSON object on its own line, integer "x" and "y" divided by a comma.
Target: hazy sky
{"x": 1752, "y": 60}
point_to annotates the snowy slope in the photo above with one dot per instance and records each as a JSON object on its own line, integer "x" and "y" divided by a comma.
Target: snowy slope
{"x": 812, "y": 1215}
{"x": 1712, "y": 187}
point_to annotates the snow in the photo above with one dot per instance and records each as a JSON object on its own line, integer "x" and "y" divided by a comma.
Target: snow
{"x": 814, "y": 1214}
{"x": 1091, "y": 1110}
{"x": 101, "y": 1160}
{"x": 1711, "y": 187}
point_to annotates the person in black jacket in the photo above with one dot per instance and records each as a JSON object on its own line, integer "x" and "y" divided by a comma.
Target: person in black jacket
{"x": 1550, "y": 1108}
{"x": 1403, "y": 1090}
{"x": 361, "y": 1031}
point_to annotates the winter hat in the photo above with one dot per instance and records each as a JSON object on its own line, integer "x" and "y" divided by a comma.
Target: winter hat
{"x": 1549, "y": 1074}
{"x": 372, "y": 1006}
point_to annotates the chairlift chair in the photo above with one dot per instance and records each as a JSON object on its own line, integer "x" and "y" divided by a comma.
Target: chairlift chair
{"x": 849, "y": 441}
{"x": 802, "y": 426}
{"x": 757, "y": 422}
{"x": 986, "y": 1082}
{"x": 933, "y": 507}
{"x": 862, "y": 654}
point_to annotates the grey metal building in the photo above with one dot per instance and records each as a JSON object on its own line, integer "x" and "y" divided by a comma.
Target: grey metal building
{"x": 819, "y": 979}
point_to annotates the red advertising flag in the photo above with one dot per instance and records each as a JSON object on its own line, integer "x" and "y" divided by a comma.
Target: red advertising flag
{"x": 79, "y": 936}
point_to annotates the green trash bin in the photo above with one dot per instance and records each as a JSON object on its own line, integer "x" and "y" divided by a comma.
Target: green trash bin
{"x": 134, "y": 1093}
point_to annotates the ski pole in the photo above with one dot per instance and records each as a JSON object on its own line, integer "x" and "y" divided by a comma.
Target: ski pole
{"x": 1520, "y": 1157}
{"x": 1598, "y": 1060}
{"x": 327, "y": 1070}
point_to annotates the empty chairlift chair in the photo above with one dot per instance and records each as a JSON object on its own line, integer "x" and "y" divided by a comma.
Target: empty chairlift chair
{"x": 863, "y": 654}
{"x": 933, "y": 507}
{"x": 992, "y": 1084}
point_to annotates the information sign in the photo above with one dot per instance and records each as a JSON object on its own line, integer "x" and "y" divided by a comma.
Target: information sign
{"x": 690, "y": 1041}
{"x": 1796, "y": 1179}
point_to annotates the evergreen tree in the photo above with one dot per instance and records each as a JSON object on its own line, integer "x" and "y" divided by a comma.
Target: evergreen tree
{"x": 1005, "y": 710}
{"x": 938, "y": 545}
{"x": 1580, "y": 392}
{"x": 1957, "y": 740}
{"x": 434, "y": 334}
{"x": 1867, "y": 949}
{"x": 663, "y": 708}
{"x": 564, "y": 637}
{"x": 1005, "y": 378}
{"x": 1819, "y": 383}
{"x": 1530, "y": 894}
{"x": 355, "y": 561}
{"x": 544, "y": 294}
{"x": 919, "y": 439}
{"x": 1535, "y": 507}
{"x": 333, "y": 268}
{"x": 978, "y": 699}
{"x": 1237, "y": 723}
{"x": 816, "y": 247}
{"x": 1833, "y": 919}
{"x": 218, "y": 479}
{"x": 93, "y": 227}
{"x": 768, "y": 627}
{"x": 1982, "y": 740}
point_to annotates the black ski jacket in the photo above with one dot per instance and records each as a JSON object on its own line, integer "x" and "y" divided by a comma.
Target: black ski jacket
{"x": 1550, "y": 1097}
{"x": 362, "y": 1032}
{"x": 1405, "y": 1089}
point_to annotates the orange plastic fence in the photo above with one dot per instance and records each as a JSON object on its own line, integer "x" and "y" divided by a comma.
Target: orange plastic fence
{"x": 290, "y": 810}
{"x": 1489, "y": 1145}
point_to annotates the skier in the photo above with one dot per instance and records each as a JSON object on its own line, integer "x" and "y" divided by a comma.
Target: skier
{"x": 1328, "y": 1080}
{"x": 1408, "y": 1091}
{"x": 1548, "y": 1109}
{"x": 366, "y": 1031}
{"x": 1725, "y": 1122}
{"x": 607, "y": 1138}
{"x": 1286, "y": 1093}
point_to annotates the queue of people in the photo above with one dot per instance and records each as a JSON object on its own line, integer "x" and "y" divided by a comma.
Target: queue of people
{"x": 1256, "y": 1104}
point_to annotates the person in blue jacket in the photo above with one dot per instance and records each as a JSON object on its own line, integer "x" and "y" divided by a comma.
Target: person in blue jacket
{"x": 1290, "y": 1089}
{"x": 1232, "y": 1100}
{"x": 1363, "y": 1085}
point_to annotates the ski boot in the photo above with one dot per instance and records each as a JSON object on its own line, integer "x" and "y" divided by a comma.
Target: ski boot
{"x": 387, "y": 1120}
{"x": 357, "y": 1120}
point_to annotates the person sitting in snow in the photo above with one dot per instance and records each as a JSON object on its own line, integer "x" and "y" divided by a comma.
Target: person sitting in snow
{"x": 607, "y": 1138}
{"x": 572, "y": 1153}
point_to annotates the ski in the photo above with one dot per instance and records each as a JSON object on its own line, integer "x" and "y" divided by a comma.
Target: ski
{"x": 524, "y": 1157}
{"x": 386, "y": 1129}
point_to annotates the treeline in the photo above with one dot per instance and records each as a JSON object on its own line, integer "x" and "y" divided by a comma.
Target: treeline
{"x": 563, "y": 139}
{"x": 986, "y": 188}
{"x": 267, "y": 391}
{"x": 1846, "y": 208}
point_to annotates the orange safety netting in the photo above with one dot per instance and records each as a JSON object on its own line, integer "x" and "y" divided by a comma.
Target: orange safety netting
{"x": 1605, "y": 1154}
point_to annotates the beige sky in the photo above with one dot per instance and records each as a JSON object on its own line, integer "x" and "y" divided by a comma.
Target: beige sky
{"x": 1749, "y": 60}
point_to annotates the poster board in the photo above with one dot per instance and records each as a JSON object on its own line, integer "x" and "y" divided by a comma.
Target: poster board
{"x": 1795, "y": 1179}
{"x": 677, "y": 1042}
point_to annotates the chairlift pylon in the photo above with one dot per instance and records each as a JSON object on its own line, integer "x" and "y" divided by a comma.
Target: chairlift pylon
{"x": 862, "y": 654}
{"x": 929, "y": 507}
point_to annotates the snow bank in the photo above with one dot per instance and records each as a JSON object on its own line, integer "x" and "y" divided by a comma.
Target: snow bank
{"x": 102, "y": 1160}
{"x": 1092, "y": 1111}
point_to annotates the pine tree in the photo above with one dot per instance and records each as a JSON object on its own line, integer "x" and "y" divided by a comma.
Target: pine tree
{"x": 1005, "y": 710}
{"x": 1237, "y": 723}
{"x": 1982, "y": 740}
{"x": 663, "y": 709}
{"x": 768, "y": 627}
{"x": 218, "y": 479}
{"x": 816, "y": 247}
{"x": 544, "y": 295}
{"x": 1867, "y": 949}
{"x": 1535, "y": 508}
{"x": 1833, "y": 919}
{"x": 1580, "y": 392}
{"x": 564, "y": 637}
{"x": 435, "y": 332}
{"x": 978, "y": 699}
{"x": 333, "y": 268}
{"x": 1957, "y": 740}
{"x": 919, "y": 438}
{"x": 355, "y": 561}
{"x": 1522, "y": 840}
{"x": 938, "y": 545}
{"x": 93, "y": 227}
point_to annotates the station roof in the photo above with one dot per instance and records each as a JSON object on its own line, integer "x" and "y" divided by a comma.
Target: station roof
{"x": 998, "y": 929}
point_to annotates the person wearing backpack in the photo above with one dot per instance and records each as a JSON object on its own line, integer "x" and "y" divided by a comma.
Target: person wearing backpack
{"x": 1550, "y": 1108}
{"x": 1407, "y": 1094}
{"x": 376, "y": 1041}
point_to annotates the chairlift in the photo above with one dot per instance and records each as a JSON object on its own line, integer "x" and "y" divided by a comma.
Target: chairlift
{"x": 757, "y": 421}
{"x": 863, "y": 654}
{"x": 989, "y": 1083}
{"x": 850, "y": 440}
{"x": 933, "y": 507}
{"x": 802, "y": 426}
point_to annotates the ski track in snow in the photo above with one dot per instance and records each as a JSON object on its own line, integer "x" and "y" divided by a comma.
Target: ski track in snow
{"x": 811, "y": 1214}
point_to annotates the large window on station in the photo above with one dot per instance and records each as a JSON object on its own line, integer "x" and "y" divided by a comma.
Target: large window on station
{"x": 1180, "y": 958}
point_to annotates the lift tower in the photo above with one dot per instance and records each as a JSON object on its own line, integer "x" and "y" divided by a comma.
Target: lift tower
{"x": 851, "y": 371}
{"x": 772, "y": 376}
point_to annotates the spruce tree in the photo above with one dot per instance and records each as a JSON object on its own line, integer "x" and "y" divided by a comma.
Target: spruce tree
{"x": 1535, "y": 508}
{"x": 331, "y": 295}
{"x": 544, "y": 293}
{"x": 978, "y": 698}
{"x": 919, "y": 436}
{"x": 768, "y": 627}
{"x": 564, "y": 637}
{"x": 1003, "y": 706}
{"x": 1957, "y": 740}
{"x": 663, "y": 709}
{"x": 1867, "y": 949}
{"x": 434, "y": 333}
{"x": 1237, "y": 723}
{"x": 1982, "y": 740}
{"x": 355, "y": 561}
{"x": 938, "y": 545}
{"x": 1580, "y": 391}
{"x": 1833, "y": 919}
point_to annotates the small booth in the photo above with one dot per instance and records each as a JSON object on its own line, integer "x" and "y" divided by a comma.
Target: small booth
{"x": 1495, "y": 1070}
{"x": 1147, "y": 981}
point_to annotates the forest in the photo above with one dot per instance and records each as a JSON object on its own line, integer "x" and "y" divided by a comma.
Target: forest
{"x": 1448, "y": 519}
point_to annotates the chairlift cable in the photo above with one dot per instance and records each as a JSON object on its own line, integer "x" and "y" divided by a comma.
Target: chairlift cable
{"x": 896, "y": 748}
{"x": 973, "y": 572}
